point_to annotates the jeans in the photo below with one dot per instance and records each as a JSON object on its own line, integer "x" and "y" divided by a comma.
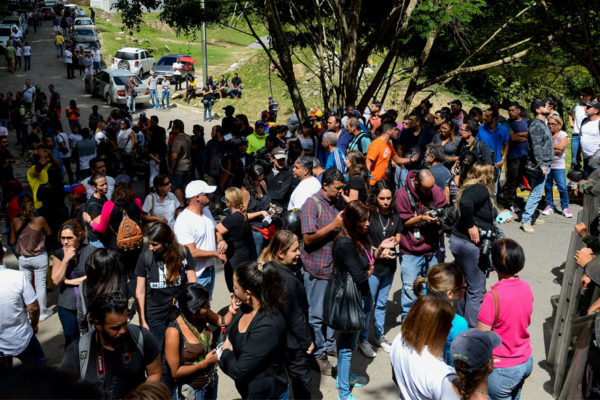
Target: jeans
{"x": 259, "y": 241}
{"x": 27, "y": 63}
{"x": 208, "y": 107}
{"x": 347, "y": 343}
{"x": 466, "y": 256}
{"x": 32, "y": 355}
{"x": 235, "y": 92}
{"x": 514, "y": 171}
{"x": 59, "y": 50}
{"x": 207, "y": 392}
{"x": 97, "y": 244}
{"x": 131, "y": 103}
{"x": 558, "y": 176}
{"x": 412, "y": 268}
{"x": 315, "y": 293}
{"x": 154, "y": 98}
{"x": 575, "y": 151}
{"x": 68, "y": 320}
{"x": 165, "y": 93}
{"x": 534, "y": 197}
{"x": 506, "y": 383}
{"x": 97, "y": 66}
{"x": 380, "y": 289}
{"x": 298, "y": 366}
{"x": 36, "y": 266}
{"x": 207, "y": 279}
{"x": 158, "y": 330}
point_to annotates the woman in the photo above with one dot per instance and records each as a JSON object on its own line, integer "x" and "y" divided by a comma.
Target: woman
{"x": 68, "y": 271}
{"x": 94, "y": 205}
{"x": 162, "y": 204}
{"x": 162, "y": 270}
{"x": 358, "y": 177}
{"x": 256, "y": 199}
{"x": 284, "y": 253}
{"x": 188, "y": 341}
{"x": 103, "y": 275}
{"x": 460, "y": 171}
{"x": 207, "y": 101}
{"x": 253, "y": 351}
{"x": 560, "y": 139}
{"x": 29, "y": 233}
{"x": 166, "y": 92}
{"x": 440, "y": 116}
{"x": 237, "y": 234}
{"x": 157, "y": 150}
{"x": 190, "y": 92}
{"x": 506, "y": 310}
{"x": 306, "y": 137}
{"x": 352, "y": 255}
{"x": 126, "y": 144}
{"x": 417, "y": 364}
{"x": 384, "y": 223}
{"x": 449, "y": 140}
{"x": 476, "y": 213}
{"x": 445, "y": 280}
{"x": 72, "y": 113}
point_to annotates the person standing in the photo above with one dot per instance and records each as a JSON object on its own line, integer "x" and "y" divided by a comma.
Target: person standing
{"x": 26, "y": 57}
{"x": 131, "y": 94}
{"x": 308, "y": 186}
{"x": 590, "y": 136}
{"x": 560, "y": 139}
{"x": 88, "y": 63}
{"x": 166, "y": 92}
{"x": 152, "y": 85}
{"x": 496, "y": 136}
{"x": 180, "y": 159}
{"x": 177, "y": 73}
{"x": 69, "y": 63}
{"x": 576, "y": 117}
{"x": 97, "y": 59}
{"x": 517, "y": 154}
{"x": 381, "y": 151}
{"x": 9, "y": 54}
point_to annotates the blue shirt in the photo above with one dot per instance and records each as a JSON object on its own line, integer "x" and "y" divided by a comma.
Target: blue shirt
{"x": 342, "y": 143}
{"x": 459, "y": 324}
{"x": 336, "y": 160}
{"x": 495, "y": 140}
{"x": 518, "y": 150}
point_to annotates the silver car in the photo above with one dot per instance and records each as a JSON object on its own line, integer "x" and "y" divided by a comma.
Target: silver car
{"x": 110, "y": 85}
{"x": 85, "y": 34}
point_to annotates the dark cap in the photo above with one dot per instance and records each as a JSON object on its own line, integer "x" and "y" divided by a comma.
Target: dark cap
{"x": 474, "y": 347}
{"x": 455, "y": 102}
{"x": 122, "y": 178}
{"x": 260, "y": 123}
{"x": 594, "y": 104}
{"x": 427, "y": 103}
{"x": 355, "y": 113}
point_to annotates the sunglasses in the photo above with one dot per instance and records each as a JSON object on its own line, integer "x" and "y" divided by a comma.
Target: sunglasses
{"x": 167, "y": 183}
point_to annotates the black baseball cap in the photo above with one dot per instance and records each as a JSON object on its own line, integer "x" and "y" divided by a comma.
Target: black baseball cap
{"x": 594, "y": 104}
{"x": 474, "y": 347}
{"x": 455, "y": 102}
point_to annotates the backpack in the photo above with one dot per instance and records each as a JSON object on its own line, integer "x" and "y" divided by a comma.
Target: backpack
{"x": 129, "y": 235}
{"x": 359, "y": 142}
{"x": 85, "y": 342}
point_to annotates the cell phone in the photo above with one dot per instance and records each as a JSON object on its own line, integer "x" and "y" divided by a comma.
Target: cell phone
{"x": 227, "y": 137}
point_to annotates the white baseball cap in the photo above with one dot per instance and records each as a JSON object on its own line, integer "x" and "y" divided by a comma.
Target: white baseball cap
{"x": 194, "y": 188}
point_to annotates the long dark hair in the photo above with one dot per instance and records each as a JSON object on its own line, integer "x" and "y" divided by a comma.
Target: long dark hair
{"x": 171, "y": 254}
{"x": 354, "y": 213}
{"x": 103, "y": 270}
{"x": 252, "y": 173}
{"x": 377, "y": 188}
{"x": 265, "y": 282}
{"x": 465, "y": 163}
{"x": 192, "y": 298}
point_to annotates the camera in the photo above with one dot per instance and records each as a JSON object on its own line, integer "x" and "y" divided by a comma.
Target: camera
{"x": 486, "y": 238}
{"x": 437, "y": 213}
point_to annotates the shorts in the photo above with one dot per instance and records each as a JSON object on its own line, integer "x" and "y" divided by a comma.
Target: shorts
{"x": 179, "y": 179}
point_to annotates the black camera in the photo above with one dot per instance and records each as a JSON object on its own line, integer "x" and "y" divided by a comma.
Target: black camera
{"x": 486, "y": 238}
{"x": 437, "y": 213}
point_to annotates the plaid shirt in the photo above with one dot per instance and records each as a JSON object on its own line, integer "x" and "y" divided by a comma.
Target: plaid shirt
{"x": 317, "y": 258}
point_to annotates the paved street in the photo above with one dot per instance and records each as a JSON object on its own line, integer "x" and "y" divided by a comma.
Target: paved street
{"x": 545, "y": 250}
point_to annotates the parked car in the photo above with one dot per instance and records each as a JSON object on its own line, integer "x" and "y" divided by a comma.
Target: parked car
{"x": 110, "y": 86}
{"x": 19, "y": 21}
{"x": 70, "y": 9}
{"x": 50, "y": 3}
{"x": 87, "y": 46}
{"x": 164, "y": 66}
{"x": 138, "y": 61}
{"x": 48, "y": 13}
{"x": 84, "y": 21}
{"x": 5, "y": 30}
{"x": 84, "y": 34}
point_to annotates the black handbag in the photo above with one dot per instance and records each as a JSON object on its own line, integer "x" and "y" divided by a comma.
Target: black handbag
{"x": 342, "y": 305}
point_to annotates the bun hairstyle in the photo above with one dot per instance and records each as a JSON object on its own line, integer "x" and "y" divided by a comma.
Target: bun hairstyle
{"x": 265, "y": 282}
{"x": 441, "y": 278}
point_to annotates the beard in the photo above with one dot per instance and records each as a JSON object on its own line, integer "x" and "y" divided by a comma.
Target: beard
{"x": 113, "y": 342}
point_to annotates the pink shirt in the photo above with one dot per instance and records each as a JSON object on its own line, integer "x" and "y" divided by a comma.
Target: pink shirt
{"x": 516, "y": 305}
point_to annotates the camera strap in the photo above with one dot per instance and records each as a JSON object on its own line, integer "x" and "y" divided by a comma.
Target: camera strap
{"x": 413, "y": 203}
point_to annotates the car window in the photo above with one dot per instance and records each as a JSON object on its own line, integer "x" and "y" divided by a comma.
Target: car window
{"x": 85, "y": 32}
{"x": 122, "y": 80}
{"x": 166, "y": 61}
{"x": 122, "y": 55}
{"x": 4, "y": 31}
{"x": 104, "y": 77}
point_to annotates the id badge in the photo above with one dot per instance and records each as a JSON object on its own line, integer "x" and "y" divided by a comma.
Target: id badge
{"x": 417, "y": 234}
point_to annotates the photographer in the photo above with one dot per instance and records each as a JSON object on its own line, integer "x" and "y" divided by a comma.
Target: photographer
{"x": 416, "y": 202}
{"x": 235, "y": 163}
{"x": 474, "y": 232}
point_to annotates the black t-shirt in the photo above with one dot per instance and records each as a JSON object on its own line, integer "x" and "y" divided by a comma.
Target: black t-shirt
{"x": 75, "y": 269}
{"x": 94, "y": 208}
{"x": 159, "y": 296}
{"x": 32, "y": 140}
{"x": 6, "y": 169}
{"x": 412, "y": 144}
{"x": 240, "y": 246}
{"x": 357, "y": 183}
{"x": 393, "y": 226}
{"x": 475, "y": 208}
{"x": 121, "y": 377}
{"x": 4, "y": 110}
{"x": 116, "y": 216}
{"x": 228, "y": 125}
{"x": 235, "y": 82}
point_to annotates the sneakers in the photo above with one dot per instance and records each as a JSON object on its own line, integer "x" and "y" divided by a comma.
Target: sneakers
{"x": 46, "y": 314}
{"x": 366, "y": 349}
{"x": 515, "y": 209}
{"x": 384, "y": 344}
{"x": 527, "y": 227}
{"x": 548, "y": 210}
{"x": 567, "y": 213}
{"x": 355, "y": 381}
{"x": 539, "y": 222}
{"x": 324, "y": 365}
{"x": 350, "y": 397}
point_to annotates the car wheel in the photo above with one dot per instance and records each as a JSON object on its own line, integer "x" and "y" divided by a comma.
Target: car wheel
{"x": 141, "y": 73}
{"x": 108, "y": 100}
{"x": 123, "y": 65}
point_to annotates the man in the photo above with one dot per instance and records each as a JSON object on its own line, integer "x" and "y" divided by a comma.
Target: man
{"x": 517, "y": 154}
{"x": 235, "y": 90}
{"x": 54, "y": 107}
{"x": 180, "y": 159}
{"x": 256, "y": 140}
{"x": 336, "y": 158}
{"x": 421, "y": 236}
{"x": 381, "y": 151}
{"x": 279, "y": 180}
{"x": 97, "y": 59}
{"x": 348, "y": 113}
{"x": 98, "y": 166}
{"x": 196, "y": 229}
{"x": 152, "y": 85}
{"x": 116, "y": 357}
{"x": 468, "y": 142}
{"x": 413, "y": 141}
{"x": 34, "y": 140}
{"x": 457, "y": 113}
{"x": 37, "y": 174}
{"x": 177, "y": 71}
{"x": 375, "y": 117}
{"x": 6, "y": 161}
{"x": 19, "y": 317}
{"x": 590, "y": 136}
{"x": 308, "y": 186}
{"x": 434, "y": 161}
{"x": 543, "y": 152}
{"x": 59, "y": 41}
{"x": 130, "y": 93}
{"x": 576, "y": 117}
{"x": 88, "y": 64}
{"x": 228, "y": 121}
{"x": 317, "y": 169}
{"x": 94, "y": 118}
{"x": 360, "y": 139}
{"x": 28, "y": 93}
{"x": 69, "y": 64}
{"x": 334, "y": 124}
{"x": 9, "y": 53}
{"x": 496, "y": 136}
{"x": 321, "y": 219}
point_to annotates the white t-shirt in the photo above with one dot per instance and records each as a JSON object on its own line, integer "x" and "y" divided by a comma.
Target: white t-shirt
{"x": 200, "y": 230}
{"x": 176, "y": 66}
{"x": 19, "y": 51}
{"x": 579, "y": 115}
{"x": 63, "y": 138}
{"x": 124, "y": 141}
{"x": 165, "y": 208}
{"x": 152, "y": 81}
{"x": 90, "y": 192}
{"x": 303, "y": 191}
{"x": 26, "y": 50}
{"x": 96, "y": 55}
{"x": 16, "y": 293}
{"x": 99, "y": 137}
{"x": 28, "y": 93}
{"x": 68, "y": 57}
{"x": 421, "y": 376}
{"x": 590, "y": 138}
{"x": 75, "y": 138}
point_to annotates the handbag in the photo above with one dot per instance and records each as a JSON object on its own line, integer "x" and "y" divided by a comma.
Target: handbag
{"x": 532, "y": 170}
{"x": 342, "y": 305}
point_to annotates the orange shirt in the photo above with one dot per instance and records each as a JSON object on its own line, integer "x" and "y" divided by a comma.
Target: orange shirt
{"x": 380, "y": 153}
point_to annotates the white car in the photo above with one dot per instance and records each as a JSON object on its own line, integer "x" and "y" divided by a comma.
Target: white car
{"x": 5, "y": 30}
{"x": 19, "y": 21}
{"x": 110, "y": 86}
{"x": 84, "y": 21}
{"x": 138, "y": 61}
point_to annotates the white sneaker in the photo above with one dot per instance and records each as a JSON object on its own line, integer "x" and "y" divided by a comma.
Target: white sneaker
{"x": 366, "y": 349}
{"x": 527, "y": 227}
{"x": 45, "y": 315}
{"x": 548, "y": 210}
{"x": 384, "y": 344}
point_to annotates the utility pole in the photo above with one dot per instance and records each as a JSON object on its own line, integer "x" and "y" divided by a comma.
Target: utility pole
{"x": 204, "y": 61}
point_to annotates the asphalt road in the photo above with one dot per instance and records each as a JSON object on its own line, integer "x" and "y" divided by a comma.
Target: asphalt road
{"x": 545, "y": 250}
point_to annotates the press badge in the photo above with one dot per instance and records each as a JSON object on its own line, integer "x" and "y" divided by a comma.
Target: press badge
{"x": 417, "y": 234}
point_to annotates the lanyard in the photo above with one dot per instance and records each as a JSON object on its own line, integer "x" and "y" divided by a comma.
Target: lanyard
{"x": 369, "y": 257}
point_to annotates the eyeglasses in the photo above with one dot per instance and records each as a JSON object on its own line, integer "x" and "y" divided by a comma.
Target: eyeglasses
{"x": 167, "y": 183}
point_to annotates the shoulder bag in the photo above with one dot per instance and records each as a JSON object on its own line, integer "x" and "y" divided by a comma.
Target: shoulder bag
{"x": 342, "y": 305}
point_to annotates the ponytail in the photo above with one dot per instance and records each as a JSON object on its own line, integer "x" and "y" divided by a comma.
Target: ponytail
{"x": 441, "y": 278}
{"x": 418, "y": 286}
{"x": 265, "y": 282}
